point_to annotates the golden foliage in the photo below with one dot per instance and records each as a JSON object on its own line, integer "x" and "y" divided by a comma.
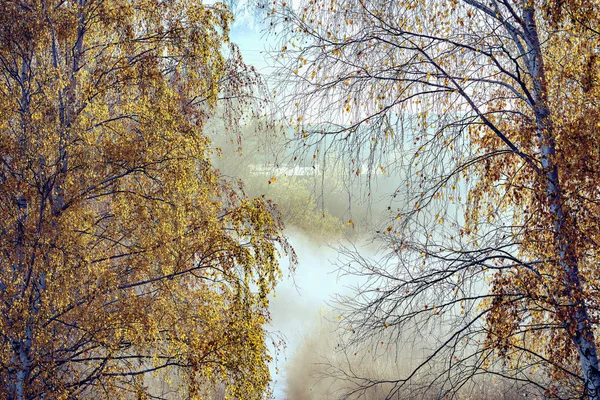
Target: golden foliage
{"x": 123, "y": 251}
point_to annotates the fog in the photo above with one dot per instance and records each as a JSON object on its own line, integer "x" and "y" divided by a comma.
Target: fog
{"x": 320, "y": 214}
{"x": 301, "y": 301}
{"x": 302, "y": 306}
{"x": 321, "y": 368}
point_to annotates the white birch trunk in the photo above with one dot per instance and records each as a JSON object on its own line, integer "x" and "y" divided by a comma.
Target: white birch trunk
{"x": 576, "y": 319}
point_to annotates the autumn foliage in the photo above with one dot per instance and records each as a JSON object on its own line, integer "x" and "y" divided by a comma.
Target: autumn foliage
{"x": 123, "y": 252}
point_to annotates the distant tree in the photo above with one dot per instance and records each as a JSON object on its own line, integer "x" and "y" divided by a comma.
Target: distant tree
{"x": 123, "y": 252}
{"x": 261, "y": 158}
{"x": 490, "y": 110}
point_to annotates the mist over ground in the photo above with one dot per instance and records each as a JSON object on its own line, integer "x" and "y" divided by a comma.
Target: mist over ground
{"x": 322, "y": 368}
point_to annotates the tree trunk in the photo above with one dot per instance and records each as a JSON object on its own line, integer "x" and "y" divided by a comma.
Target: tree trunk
{"x": 575, "y": 317}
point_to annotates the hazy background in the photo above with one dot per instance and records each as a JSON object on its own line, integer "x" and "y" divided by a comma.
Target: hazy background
{"x": 317, "y": 213}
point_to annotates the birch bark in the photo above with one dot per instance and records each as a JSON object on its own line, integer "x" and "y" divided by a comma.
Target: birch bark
{"x": 575, "y": 317}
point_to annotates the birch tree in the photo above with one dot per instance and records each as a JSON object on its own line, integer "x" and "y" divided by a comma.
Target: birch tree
{"x": 124, "y": 254}
{"x": 490, "y": 110}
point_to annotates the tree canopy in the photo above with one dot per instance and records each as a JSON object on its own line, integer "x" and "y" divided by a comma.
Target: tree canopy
{"x": 490, "y": 111}
{"x": 124, "y": 252}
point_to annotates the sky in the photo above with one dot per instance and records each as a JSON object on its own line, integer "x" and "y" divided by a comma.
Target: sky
{"x": 249, "y": 33}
